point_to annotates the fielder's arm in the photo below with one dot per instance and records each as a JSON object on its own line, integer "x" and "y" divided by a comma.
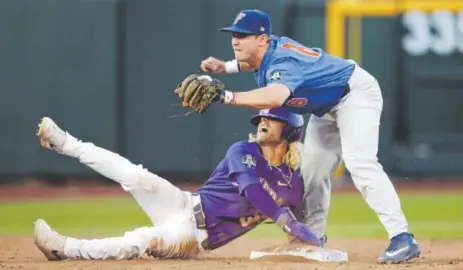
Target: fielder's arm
{"x": 271, "y": 96}
{"x": 233, "y": 66}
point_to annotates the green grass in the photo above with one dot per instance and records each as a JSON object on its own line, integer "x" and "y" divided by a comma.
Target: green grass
{"x": 430, "y": 215}
{"x": 90, "y": 217}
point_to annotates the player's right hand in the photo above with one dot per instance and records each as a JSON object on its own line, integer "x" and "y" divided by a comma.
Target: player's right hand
{"x": 288, "y": 222}
{"x": 212, "y": 64}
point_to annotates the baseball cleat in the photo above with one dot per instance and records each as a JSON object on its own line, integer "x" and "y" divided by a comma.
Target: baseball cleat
{"x": 50, "y": 135}
{"x": 49, "y": 241}
{"x": 402, "y": 248}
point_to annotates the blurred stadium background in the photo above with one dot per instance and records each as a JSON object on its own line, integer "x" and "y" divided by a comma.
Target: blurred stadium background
{"x": 105, "y": 70}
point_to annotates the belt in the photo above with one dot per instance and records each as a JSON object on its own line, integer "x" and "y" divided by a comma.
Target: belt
{"x": 199, "y": 214}
{"x": 200, "y": 220}
{"x": 346, "y": 91}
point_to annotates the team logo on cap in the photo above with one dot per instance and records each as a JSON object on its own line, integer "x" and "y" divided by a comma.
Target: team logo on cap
{"x": 239, "y": 17}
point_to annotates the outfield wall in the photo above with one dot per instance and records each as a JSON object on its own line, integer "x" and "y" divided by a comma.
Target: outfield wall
{"x": 105, "y": 70}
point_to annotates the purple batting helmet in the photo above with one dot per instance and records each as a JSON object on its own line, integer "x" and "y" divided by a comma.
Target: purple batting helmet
{"x": 294, "y": 122}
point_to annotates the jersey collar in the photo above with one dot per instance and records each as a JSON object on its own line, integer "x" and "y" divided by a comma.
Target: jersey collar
{"x": 268, "y": 54}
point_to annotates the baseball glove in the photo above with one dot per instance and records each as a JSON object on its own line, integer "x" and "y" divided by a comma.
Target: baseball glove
{"x": 199, "y": 91}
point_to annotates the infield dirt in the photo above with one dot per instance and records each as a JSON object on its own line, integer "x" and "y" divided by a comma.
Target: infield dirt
{"x": 21, "y": 253}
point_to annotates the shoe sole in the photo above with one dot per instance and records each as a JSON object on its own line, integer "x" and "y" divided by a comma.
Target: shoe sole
{"x": 49, "y": 254}
{"x": 406, "y": 259}
{"x": 41, "y": 132}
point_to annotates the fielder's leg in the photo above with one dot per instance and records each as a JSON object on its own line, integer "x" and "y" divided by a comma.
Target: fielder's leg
{"x": 358, "y": 119}
{"x": 320, "y": 155}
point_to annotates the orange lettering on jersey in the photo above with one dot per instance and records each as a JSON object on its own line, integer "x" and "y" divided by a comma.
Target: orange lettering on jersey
{"x": 301, "y": 49}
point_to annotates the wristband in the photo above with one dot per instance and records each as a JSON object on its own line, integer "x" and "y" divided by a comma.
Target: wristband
{"x": 232, "y": 66}
{"x": 285, "y": 217}
{"x": 228, "y": 97}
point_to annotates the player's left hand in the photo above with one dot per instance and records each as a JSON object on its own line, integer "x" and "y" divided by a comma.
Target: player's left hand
{"x": 199, "y": 91}
{"x": 302, "y": 233}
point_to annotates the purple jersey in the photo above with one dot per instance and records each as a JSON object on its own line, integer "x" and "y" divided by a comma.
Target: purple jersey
{"x": 317, "y": 80}
{"x": 228, "y": 212}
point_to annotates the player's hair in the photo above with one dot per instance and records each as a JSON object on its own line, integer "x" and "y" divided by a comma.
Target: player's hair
{"x": 292, "y": 158}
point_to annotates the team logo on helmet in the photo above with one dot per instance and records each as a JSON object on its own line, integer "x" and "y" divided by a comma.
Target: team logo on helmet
{"x": 240, "y": 16}
{"x": 297, "y": 102}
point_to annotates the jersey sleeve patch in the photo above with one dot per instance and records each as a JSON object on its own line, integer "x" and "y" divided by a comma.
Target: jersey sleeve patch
{"x": 285, "y": 72}
{"x": 240, "y": 158}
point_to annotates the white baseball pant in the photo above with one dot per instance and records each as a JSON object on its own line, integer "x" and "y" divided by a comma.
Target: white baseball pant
{"x": 174, "y": 234}
{"x": 351, "y": 131}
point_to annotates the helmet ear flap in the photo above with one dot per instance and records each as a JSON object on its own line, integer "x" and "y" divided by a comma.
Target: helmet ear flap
{"x": 292, "y": 134}
{"x": 294, "y": 123}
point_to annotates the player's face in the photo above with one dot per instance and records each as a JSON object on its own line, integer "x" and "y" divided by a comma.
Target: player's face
{"x": 269, "y": 131}
{"x": 246, "y": 47}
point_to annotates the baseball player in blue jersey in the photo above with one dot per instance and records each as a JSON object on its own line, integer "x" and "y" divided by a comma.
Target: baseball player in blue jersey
{"x": 256, "y": 180}
{"x": 345, "y": 103}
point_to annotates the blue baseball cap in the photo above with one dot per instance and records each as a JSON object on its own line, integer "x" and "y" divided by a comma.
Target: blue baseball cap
{"x": 250, "y": 21}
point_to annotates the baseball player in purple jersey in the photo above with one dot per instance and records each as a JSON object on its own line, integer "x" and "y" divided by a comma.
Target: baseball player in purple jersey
{"x": 345, "y": 104}
{"x": 256, "y": 180}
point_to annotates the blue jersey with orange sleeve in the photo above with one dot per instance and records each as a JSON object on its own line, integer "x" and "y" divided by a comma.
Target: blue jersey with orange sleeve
{"x": 317, "y": 80}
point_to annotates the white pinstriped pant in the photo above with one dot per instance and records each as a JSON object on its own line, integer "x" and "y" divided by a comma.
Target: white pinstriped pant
{"x": 351, "y": 131}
